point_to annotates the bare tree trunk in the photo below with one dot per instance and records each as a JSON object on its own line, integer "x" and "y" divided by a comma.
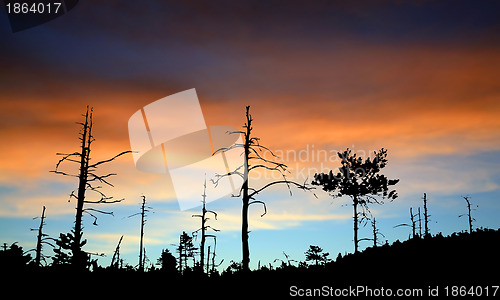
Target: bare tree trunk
{"x": 246, "y": 198}
{"x": 419, "y": 224}
{"x": 39, "y": 240}
{"x": 244, "y": 229}
{"x": 413, "y": 223}
{"x": 204, "y": 228}
{"x": 355, "y": 206}
{"x": 426, "y": 217}
{"x": 77, "y": 255}
{"x": 202, "y": 244}
{"x": 116, "y": 254}
{"x": 141, "y": 262}
{"x": 471, "y": 219}
{"x": 208, "y": 260}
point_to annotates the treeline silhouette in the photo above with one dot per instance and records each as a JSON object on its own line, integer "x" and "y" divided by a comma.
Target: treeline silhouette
{"x": 460, "y": 258}
{"x": 423, "y": 259}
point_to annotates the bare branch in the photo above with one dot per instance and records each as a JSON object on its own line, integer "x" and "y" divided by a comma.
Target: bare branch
{"x": 105, "y": 200}
{"x": 265, "y": 148}
{"x": 66, "y": 156}
{"x": 100, "y": 178}
{"x": 111, "y": 159}
{"x": 218, "y": 177}
{"x": 99, "y": 211}
{"x": 213, "y": 212}
{"x": 401, "y": 225}
{"x": 225, "y": 149}
{"x": 258, "y": 201}
{"x": 298, "y": 185}
{"x": 63, "y": 173}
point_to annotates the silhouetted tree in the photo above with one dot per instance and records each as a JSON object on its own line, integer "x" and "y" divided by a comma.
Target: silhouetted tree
{"x": 87, "y": 177}
{"x": 419, "y": 224}
{"x": 233, "y": 267}
{"x": 214, "y": 255}
{"x": 41, "y": 239}
{"x": 13, "y": 259}
{"x": 142, "y": 213}
{"x": 315, "y": 253}
{"x": 359, "y": 179}
{"x": 413, "y": 223}
{"x": 116, "y": 255}
{"x": 376, "y": 232}
{"x": 468, "y": 214}
{"x": 254, "y": 159}
{"x": 185, "y": 249}
{"x": 204, "y": 227}
{"x": 167, "y": 262}
{"x": 426, "y": 218}
{"x": 60, "y": 257}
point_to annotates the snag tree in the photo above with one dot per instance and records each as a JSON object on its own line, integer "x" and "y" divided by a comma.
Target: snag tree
{"x": 255, "y": 159}
{"x": 87, "y": 179}
{"x": 204, "y": 227}
{"x": 468, "y": 214}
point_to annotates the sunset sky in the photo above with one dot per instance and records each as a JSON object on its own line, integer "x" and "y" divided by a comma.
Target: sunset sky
{"x": 420, "y": 78}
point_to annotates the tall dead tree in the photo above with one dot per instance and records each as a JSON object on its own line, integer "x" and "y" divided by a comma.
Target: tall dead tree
{"x": 468, "y": 214}
{"x": 419, "y": 224}
{"x": 142, "y": 213}
{"x": 41, "y": 239}
{"x": 87, "y": 177}
{"x": 426, "y": 218}
{"x": 254, "y": 160}
{"x": 204, "y": 227}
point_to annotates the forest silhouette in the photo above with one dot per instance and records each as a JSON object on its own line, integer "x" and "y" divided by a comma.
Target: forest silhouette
{"x": 467, "y": 257}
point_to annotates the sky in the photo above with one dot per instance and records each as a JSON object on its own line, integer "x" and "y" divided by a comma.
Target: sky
{"x": 419, "y": 78}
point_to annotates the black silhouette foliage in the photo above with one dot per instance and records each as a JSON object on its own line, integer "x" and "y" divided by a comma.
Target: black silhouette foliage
{"x": 359, "y": 179}
{"x": 315, "y": 253}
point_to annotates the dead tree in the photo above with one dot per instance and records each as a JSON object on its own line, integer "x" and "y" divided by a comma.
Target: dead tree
{"x": 204, "y": 227}
{"x": 254, "y": 159}
{"x": 419, "y": 224}
{"x": 211, "y": 268}
{"x": 426, "y": 218}
{"x": 144, "y": 210}
{"x": 116, "y": 255}
{"x": 41, "y": 239}
{"x": 413, "y": 223}
{"x": 468, "y": 214}
{"x": 87, "y": 177}
{"x": 375, "y": 232}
